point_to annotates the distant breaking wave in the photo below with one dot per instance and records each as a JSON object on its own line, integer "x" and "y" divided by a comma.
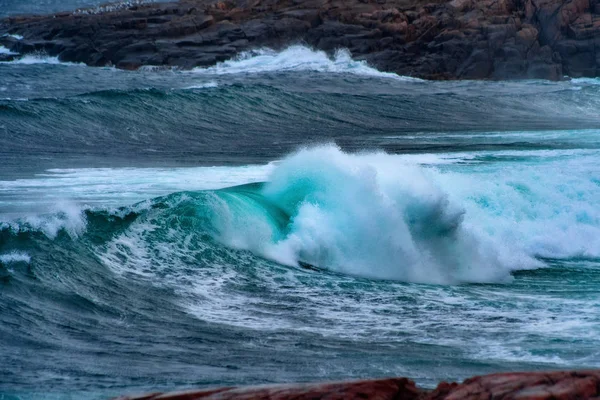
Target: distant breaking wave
{"x": 35, "y": 58}
{"x": 296, "y": 58}
{"x": 293, "y": 59}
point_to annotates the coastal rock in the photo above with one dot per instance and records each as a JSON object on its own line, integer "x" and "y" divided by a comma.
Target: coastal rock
{"x": 457, "y": 39}
{"x": 568, "y": 385}
{"x": 384, "y": 389}
{"x": 523, "y": 386}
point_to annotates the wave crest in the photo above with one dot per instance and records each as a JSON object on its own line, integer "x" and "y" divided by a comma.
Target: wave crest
{"x": 365, "y": 215}
{"x": 296, "y": 58}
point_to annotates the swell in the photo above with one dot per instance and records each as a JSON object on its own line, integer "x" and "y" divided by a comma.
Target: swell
{"x": 258, "y": 115}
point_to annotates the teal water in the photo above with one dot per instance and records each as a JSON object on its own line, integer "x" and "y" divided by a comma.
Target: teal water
{"x": 291, "y": 217}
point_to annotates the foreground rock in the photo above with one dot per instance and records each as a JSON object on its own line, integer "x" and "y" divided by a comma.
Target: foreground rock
{"x": 508, "y": 386}
{"x": 458, "y": 39}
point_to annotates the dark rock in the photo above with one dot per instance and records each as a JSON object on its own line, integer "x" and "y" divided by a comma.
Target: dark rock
{"x": 458, "y": 39}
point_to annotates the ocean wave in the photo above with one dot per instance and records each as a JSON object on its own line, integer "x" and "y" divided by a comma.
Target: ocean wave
{"x": 585, "y": 81}
{"x": 367, "y": 215}
{"x": 297, "y": 58}
{"x": 371, "y": 215}
{"x": 376, "y": 215}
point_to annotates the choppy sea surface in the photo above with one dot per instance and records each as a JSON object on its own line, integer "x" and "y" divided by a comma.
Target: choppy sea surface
{"x": 291, "y": 216}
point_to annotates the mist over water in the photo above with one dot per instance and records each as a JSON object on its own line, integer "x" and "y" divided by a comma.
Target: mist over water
{"x": 289, "y": 217}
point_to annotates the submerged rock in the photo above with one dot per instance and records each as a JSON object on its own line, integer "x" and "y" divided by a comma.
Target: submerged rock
{"x": 505, "y": 386}
{"x": 458, "y": 39}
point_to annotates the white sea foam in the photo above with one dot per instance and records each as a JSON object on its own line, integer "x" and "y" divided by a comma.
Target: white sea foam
{"x": 4, "y": 50}
{"x": 585, "y": 81}
{"x": 382, "y": 216}
{"x": 62, "y": 215}
{"x": 206, "y": 85}
{"x": 15, "y": 257}
{"x": 35, "y": 58}
{"x": 296, "y": 58}
{"x": 36, "y": 197}
{"x": 30, "y": 59}
{"x": 373, "y": 215}
{"x": 18, "y": 37}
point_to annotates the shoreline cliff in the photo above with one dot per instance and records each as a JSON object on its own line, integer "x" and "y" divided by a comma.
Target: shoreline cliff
{"x": 458, "y": 39}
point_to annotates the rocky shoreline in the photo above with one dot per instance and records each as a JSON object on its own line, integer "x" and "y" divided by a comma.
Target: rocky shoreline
{"x": 568, "y": 385}
{"x": 458, "y": 39}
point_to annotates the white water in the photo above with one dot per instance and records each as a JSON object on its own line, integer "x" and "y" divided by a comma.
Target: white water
{"x": 55, "y": 200}
{"x": 15, "y": 257}
{"x": 384, "y": 216}
{"x": 18, "y": 37}
{"x": 206, "y": 85}
{"x": 31, "y": 59}
{"x": 374, "y": 215}
{"x": 4, "y": 50}
{"x": 439, "y": 218}
{"x": 118, "y": 186}
{"x": 296, "y": 58}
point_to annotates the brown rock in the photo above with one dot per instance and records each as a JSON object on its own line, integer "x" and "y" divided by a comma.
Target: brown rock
{"x": 384, "y": 389}
{"x": 572, "y": 385}
{"x": 524, "y": 386}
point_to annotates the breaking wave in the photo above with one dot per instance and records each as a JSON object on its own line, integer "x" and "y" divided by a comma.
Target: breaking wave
{"x": 373, "y": 215}
{"x": 296, "y": 58}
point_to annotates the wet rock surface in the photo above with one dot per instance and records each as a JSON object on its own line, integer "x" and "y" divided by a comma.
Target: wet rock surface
{"x": 458, "y": 39}
{"x": 506, "y": 386}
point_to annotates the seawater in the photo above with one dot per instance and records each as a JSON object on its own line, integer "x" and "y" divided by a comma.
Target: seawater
{"x": 291, "y": 216}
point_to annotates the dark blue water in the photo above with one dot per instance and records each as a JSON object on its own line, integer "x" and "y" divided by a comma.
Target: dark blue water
{"x": 155, "y": 225}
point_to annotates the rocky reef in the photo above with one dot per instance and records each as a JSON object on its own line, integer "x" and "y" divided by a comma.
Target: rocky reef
{"x": 458, "y": 39}
{"x": 507, "y": 386}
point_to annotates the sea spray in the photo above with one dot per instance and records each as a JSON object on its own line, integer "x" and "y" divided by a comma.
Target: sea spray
{"x": 63, "y": 216}
{"x": 364, "y": 215}
{"x": 15, "y": 257}
{"x": 295, "y": 59}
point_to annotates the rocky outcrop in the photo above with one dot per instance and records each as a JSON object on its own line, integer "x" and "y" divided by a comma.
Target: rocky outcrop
{"x": 507, "y": 386}
{"x": 457, "y": 39}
